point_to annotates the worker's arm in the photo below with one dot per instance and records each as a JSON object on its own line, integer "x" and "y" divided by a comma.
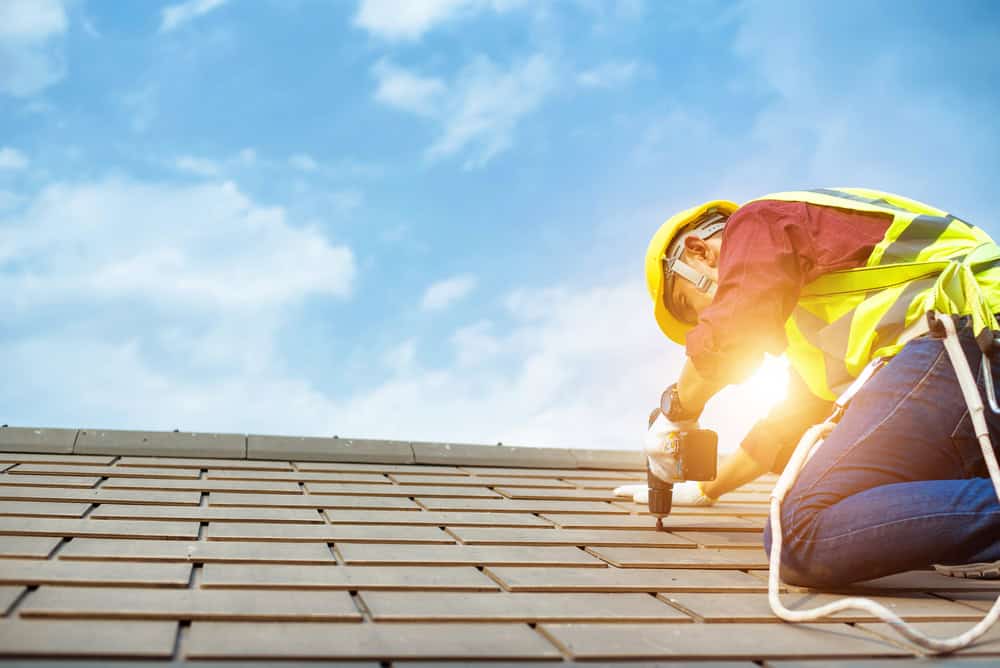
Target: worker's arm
{"x": 771, "y": 441}
{"x": 736, "y": 470}
{"x": 694, "y": 390}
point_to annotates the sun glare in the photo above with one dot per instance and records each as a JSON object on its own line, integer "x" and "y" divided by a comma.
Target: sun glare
{"x": 770, "y": 380}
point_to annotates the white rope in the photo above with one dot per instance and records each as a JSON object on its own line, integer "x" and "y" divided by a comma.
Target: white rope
{"x": 810, "y": 441}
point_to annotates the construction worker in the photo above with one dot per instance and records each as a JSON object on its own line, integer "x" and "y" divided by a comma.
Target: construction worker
{"x": 836, "y": 278}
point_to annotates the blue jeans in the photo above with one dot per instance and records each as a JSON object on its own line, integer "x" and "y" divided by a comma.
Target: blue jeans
{"x": 900, "y": 483}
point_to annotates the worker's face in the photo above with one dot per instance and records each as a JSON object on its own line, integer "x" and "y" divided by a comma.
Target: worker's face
{"x": 687, "y": 302}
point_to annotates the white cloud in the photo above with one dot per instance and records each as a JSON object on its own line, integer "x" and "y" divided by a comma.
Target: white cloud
{"x": 444, "y": 293}
{"x": 406, "y": 90}
{"x": 8, "y": 200}
{"x": 400, "y": 358}
{"x": 476, "y": 113}
{"x": 476, "y": 344}
{"x": 346, "y": 199}
{"x": 488, "y": 105}
{"x": 407, "y": 21}
{"x": 303, "y": 162}
{"x": 12, "y": 159}
{"x": 30, "y": 49}
{"x": 197, "y": 166}
{"x": 142, "y": 104}
{"x": 31, "y": 20}
{"x": 577, "y": 367}
{"x": 608, "y": 75}
{"x": 177, "y": 248}
{"x": 175, "y": 16}
{"x": 247, "y": 157}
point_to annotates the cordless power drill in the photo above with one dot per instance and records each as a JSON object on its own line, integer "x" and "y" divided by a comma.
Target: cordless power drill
{"x": 694, "y": 452}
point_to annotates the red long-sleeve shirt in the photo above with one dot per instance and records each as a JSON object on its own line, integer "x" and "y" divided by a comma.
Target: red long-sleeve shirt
{"x": 769, "y": 251}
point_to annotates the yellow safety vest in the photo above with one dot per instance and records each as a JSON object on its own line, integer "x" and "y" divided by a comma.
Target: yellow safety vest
{"x": 927, "y": 259}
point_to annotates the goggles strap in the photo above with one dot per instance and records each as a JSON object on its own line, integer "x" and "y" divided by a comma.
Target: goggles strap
{"x": 701, "y": 282}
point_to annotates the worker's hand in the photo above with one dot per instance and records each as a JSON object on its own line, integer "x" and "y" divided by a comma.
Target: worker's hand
{"x": 685, "y": 494}
{"x": 690, "y": 493}
{"x": 639, "y": 493}
{"x": 661, "y": 447}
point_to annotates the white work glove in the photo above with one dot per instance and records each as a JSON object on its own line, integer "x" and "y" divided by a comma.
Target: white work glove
{"x": 660, "y": 447}
{"x": 639, "y": 493}
{"x": 685, "y": 494}
{"x": 690, "y": 493}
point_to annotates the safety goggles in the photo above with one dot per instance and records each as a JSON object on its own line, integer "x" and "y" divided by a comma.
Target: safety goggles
{"x": 713, "y": 221}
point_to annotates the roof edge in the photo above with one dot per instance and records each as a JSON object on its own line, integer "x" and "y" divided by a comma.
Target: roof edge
{"x": 303, "y": 448}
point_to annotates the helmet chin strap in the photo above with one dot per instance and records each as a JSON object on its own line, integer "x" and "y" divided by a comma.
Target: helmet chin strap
{"x": 675, "y": 265}
{"x": 701, "y": 282}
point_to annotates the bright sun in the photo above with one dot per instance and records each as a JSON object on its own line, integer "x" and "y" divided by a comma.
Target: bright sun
{"x": 770, "y": 380}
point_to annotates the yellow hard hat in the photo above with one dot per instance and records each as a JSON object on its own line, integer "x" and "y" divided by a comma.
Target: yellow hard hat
{"x": 674, "y": 328}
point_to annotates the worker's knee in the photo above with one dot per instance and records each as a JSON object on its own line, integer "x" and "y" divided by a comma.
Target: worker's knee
{"x": 803, "y": 563}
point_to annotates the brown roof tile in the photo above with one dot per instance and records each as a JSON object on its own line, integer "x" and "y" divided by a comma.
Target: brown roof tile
{"x": 42, "y": 509}
{"x": 518, "y": 536}
{"x": 339, "y": 533}
{"x": 206, "y": 514}
{"x": 45, "y": 526}
{"x": 283, "y": 576}
{"x": 187, "y": 604}
{"x": 430, "y": 517}
{"x": 739, "y": 607}
{"x": 95, "y": 470}
{"x": 310, "y": 501}
{"x": 201, "y": 551}
{"x": 54, "y": 571}
{"x": 99, "y": 495}
{"x": 83, "y": 638}
{"x": 27, "y": 547}
{"x": 7, "y": 479}
{"x": 517, "y": 505}
{"x": 225, "y": 640}
{"x": 205, "y": 485}
{"x": 27, "y": 440}
{"x": 617, "y": 579}
{"x": 705, "y": 641}
{"x": 674, "y": 523}
{"x": 159, "y": 444}
{"x": 465, "y": 555}
{"x": 656, "y": 557}
{"x": 500, "y": 607}
{"x": 320, "y": 488}
{"x": 51, "y": 458}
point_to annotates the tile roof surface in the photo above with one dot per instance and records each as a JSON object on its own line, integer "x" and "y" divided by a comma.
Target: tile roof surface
{"x": 192, "y": 548}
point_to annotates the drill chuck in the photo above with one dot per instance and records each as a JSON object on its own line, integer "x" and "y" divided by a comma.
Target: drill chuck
{"x": 661, "y": 495}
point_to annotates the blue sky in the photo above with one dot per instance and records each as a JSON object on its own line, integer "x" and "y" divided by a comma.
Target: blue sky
{"x": 427, "y": 219}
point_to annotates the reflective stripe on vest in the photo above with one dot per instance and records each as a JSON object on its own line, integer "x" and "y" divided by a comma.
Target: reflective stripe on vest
{"x": 926, "y": 259}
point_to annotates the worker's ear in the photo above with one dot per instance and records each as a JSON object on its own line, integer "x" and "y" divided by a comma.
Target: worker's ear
{"x": 701, "y": 250}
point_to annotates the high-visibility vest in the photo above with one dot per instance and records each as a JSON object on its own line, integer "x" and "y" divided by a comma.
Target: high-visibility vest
{"x": 927, "y": 259}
